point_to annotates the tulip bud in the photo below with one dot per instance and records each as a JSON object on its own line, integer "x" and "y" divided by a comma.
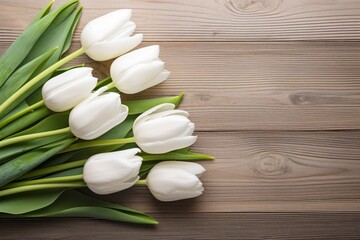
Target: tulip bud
{"x": 68, "y": 89}
{"x": 172, "y": 180}
{"x": 108, "y": 36}
{"x": 162, "y": 129}
{"x": 111, "y": 172}
{"x": 138, "y": 70}
{"x": 97, "y": 114}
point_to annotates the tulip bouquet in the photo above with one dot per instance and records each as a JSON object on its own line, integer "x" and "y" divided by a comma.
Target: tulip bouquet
{"x": 62, "y": 129}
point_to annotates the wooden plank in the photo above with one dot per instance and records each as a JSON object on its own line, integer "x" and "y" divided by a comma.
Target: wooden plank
{"x": 269, "y": 172}
{"x": 193, "y": 226}
{"x": 213, "y": 20}
{"x": 261, "y": 86}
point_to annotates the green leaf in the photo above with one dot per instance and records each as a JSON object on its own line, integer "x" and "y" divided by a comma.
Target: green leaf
{"x": 24, "y": 121}
{"x": 140, "y": 106}
{"x": 18, "y": 51}
{"x": 69, "y": 172}
{"x": 43, "y": 12}
{"x": 16, "y": 149}
{"x": 21, "y": 75}
{"x": 24, "y": 163}
{"x": 53, "y": 122}
{"x": 74, "y": 204}
{"x": 28, "y": 201}
{"x": 71, "y": 31}
{"x": 55, "y": 35}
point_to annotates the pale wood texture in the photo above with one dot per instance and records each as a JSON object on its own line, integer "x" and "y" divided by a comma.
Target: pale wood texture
{"x": 274, "y": 89}
{"x": 214, "y": 20}
{"x": 193, "y": 226}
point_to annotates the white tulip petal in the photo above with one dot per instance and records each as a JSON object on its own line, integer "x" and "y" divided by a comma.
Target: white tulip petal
{"x": 159, "y": 108}
{"x": 125, "y": 62}
{"x": 159, "y": 115}
{"x": 102, "y": 51}
{"x": 162, "y": 129}
{"x": 124, "y": 31}
{"x": 106, "y": 173}
{"x": 190, "y": 167}
{"x": 168, "y": 145}
{"x": 157, "y": 80}
{"x": 173, "y": 180}
{"x": 134, "y": 79}
{"x": 111, "y": 188}
{"x": 85, "y": 123}
{"x": 69, "y": 95}
{"x": 102, "y": 27}
{"x": 177, "y": 196}
{"x": 66, "y": 77}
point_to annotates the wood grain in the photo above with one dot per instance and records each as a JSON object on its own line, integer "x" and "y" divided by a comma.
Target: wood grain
{"x": 269, "y": 172}
{"x": 216, "y": 226}
{"x": 213, "y": 20}
{"x": 265, "y": 82}
{"x": 260, "y": 86}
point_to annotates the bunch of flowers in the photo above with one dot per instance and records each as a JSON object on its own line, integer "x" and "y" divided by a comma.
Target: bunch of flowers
{"x": 62, "y": 129}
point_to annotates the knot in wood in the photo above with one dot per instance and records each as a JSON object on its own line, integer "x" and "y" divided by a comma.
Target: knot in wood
{"x": 252, "y": 6}
{"x": 271, "y": 164}
{"x": 302, "y": 98}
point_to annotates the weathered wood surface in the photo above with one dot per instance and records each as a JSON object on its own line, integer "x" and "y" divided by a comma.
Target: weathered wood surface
{"x": 209, "y": 226}
{"x": 214, "y": 20}
{"x": 281, "y": 116}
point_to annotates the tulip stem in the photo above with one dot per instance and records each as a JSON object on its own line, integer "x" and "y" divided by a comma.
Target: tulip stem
{"x": 37, "y": 78}
{"x": 141, "y": 182}
{"x": 97, "y": 143}
{"x": 46, "y": 181}
{"x": 27, "y": 137}
{"x": 21, "y": 113}
{"x": 35, "y": 187}
{"x": 53, "y": 169}
{"x": 110, "y": 86}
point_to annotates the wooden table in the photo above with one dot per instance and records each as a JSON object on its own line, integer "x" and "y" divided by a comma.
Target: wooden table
{"x": 274, "y": 89}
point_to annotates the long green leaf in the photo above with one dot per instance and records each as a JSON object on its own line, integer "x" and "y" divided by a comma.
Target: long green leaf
{"x": 140, "y": 106}
{"x": 53, "y": 122}
{"x": 74, "y": 204}
{"x": 43, "y": 12}
{"x": 24, "y": 122}
{"x": 23, "y": 74}
{"x": 55, "y": 35}
{"x": 16, "y": 149}
{"x": 17, "y": 52}
{"x": 28, "y": 201}
{"x": 19, "y": 166}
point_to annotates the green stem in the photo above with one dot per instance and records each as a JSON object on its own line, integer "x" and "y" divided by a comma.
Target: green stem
{"x": 141, "y": 182}
{"x": 29, "y": 188}
{"x": 46, "y": 181}
{"x": 57, "y": 168}
{"x": 27, "y": 137}
{"x": 21, "y": 113}
{"x": 97, "y": 143}
{"x": 37, "y": 78}
{"x": 110, "y": 85}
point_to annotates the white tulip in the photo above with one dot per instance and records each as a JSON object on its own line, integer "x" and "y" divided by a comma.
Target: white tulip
{"x": 108, "y": 36}
{"x": 162, "y": 129}
{"x": 173, "y": 180}
{"x": 138, "y": 70}
{"x": 68, "y": 89}
{"x": 112, "y": 172}
{"x": 97, "y": 114}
